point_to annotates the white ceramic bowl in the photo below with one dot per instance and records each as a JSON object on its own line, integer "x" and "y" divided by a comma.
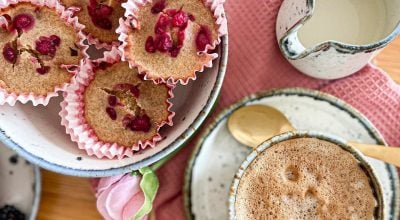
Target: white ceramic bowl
{"x": 36, "y": 134}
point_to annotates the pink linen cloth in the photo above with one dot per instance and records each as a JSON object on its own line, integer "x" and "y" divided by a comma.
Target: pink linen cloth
{"x": 256, "y": 64}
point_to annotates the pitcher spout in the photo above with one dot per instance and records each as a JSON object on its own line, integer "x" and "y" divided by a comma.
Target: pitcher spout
{"x": 291, "y": 46}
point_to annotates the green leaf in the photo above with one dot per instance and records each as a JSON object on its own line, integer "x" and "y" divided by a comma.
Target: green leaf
{"x": 149, "y": 185}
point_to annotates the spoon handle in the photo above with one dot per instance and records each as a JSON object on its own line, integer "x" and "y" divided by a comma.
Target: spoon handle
{"x": 387, "y": 154}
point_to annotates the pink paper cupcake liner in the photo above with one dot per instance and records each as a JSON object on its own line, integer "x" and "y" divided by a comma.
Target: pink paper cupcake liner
{"x": 72, "y": 115}
{"x": 131, "y": 22}
{"x": 67, "y": 16}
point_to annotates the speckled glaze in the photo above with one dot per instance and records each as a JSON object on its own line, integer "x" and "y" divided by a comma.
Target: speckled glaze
{"x": 329, "y": 59}
{"x": 20, "y": 183}
{"x": 375, "y": 184}
{"x": 218, "y": 155}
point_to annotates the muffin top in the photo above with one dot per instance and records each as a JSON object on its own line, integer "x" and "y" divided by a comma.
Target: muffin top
{"x": 171, "y": 37}
{"x": 305, "y": 178}
{"x": 100, "y": 17}
{"x": 122, "y": 108}
{"x": 36, "y": 43}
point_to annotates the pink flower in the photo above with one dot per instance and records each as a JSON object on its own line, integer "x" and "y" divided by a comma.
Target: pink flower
{"x": 119, "y": 197}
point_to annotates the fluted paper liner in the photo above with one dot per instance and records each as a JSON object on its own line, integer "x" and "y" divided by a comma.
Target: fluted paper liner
{"x": 131, "y": 22}
{"x": 67, "y": 16}
{"x": 72, "y": 115}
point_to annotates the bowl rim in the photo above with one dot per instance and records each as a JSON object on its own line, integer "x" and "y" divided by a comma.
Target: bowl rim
{"x": 38, "y": 192}
{"x": 173, "y": 146}
{"x": 338, "y": 141}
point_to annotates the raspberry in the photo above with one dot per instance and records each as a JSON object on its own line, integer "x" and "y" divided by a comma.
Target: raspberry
{"x": 158, "y": 7}
{"x": 203, "y": 38}
{"x": 112, "y": 113}
{"x": 137, "y": 123}
{"x": 23, "y": 21}
{"x": 180, "y": 19}
{"x": 163, "y": 42}
{"x": 43, "y": 70}
{"x": 149, "y": 46}
{"x": 9, "y": 53}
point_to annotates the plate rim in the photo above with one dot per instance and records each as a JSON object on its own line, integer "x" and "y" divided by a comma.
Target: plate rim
{"x": 174, "y": 145}
{"x": 318, "y": 95}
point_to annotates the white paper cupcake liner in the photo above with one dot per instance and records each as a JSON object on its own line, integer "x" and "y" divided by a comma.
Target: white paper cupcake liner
{"x": 72, "y": 115}
{"x": 131, "y": 22}
{"x": 67, "y": 16}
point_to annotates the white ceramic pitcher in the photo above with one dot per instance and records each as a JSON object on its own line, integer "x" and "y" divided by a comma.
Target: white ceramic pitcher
{"x": 331, "y": 39}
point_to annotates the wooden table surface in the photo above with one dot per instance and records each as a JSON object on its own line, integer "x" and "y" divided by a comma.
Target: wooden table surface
{"x": 66, "y": 198}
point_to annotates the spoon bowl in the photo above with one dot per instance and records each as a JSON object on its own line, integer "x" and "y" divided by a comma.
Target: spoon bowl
{"x": 252, "y": 125}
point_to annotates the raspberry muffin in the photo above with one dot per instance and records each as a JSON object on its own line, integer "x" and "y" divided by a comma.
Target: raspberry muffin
{"x": 169, "y": 40}
{"x": 111, "y": 112}
{"x": 100, "y": 17}
{"x": 40, "y": 48}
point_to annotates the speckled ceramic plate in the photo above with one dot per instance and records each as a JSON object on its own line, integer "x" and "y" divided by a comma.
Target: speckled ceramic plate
{"x": 218, "y": 156}
{"x": 36, "y": 134}
{"x": 20, "y": 183}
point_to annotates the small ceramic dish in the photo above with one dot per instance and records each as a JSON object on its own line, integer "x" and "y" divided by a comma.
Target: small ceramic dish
{"x": 20, "y": 183}
{"x": 218, "y": 155}
{"x": 36, "y": 133}
{"x": 362, "y": 162}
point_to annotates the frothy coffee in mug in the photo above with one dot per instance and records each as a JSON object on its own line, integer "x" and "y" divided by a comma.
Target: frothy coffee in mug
{"x": 305, "y": 178}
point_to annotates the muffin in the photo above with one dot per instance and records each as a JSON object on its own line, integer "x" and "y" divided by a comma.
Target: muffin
{"x": 169, "y": 40}
{"x": 41, "y": 49}
{"x": 100, "y": 17}
{"x": 112, "y": 112}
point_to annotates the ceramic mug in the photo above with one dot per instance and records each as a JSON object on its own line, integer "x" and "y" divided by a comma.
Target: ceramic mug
{"x": 375, "y": 184}
{"x": 331, "y": 39}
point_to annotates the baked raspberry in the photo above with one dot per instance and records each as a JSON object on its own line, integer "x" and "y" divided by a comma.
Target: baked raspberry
{"x": 47, "y": 45}
{"x": 100, "y": 14}
{"x": 23, "y": 21}
{"x": 175, "y": 51}
{"x": 163, "y": 42}
{"x": 111, "y": 113}
{"x": 10, "y": 53}
{"x": 55, "y": 40}
{"x": 149, "y": 46}
{"x": 158, "y": 7}
{"x": 137, "y": 123}
{"x": 101, "y": 19}
{"x": 43, "y": 70}
{"x": 173, "y": 22}
{"x": 135, "y": 91}
{"x": 191, "y": 17}
{"x": 180, "y": 19}
{"x": 112, "y": 100}
{"x": 203, "y": 38}
{"x": 162, "y": 24}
